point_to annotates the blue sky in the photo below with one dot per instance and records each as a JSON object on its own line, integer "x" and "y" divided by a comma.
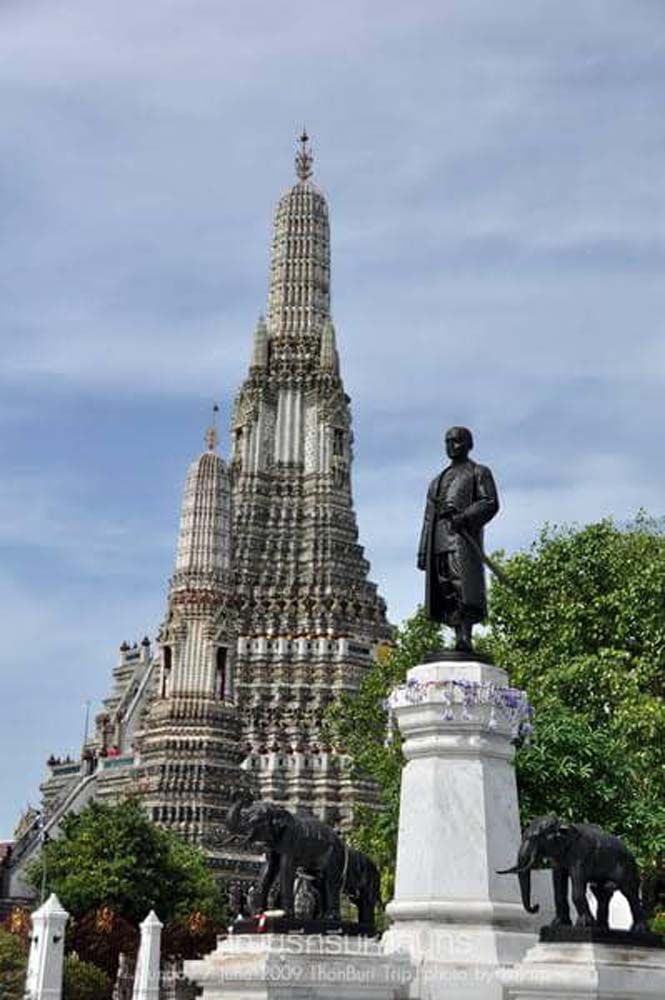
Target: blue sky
{"x": 495, "y": 181}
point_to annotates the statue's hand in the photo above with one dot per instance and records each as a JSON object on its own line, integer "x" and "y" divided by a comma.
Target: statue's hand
{"x": 421, "y": 563}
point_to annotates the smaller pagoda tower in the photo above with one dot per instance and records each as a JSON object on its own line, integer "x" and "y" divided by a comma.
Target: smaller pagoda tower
{"x": 189, "y": 747}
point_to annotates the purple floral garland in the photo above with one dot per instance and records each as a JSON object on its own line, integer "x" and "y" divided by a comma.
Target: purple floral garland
{"x": 506, "y": 703}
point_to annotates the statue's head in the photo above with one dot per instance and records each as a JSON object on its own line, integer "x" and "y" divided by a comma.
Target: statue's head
{"x": 459, "y": 442}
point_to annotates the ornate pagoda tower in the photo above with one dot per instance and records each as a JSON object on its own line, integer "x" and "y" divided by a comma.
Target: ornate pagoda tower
{"x": 189, "y": 747}
{"x": 270, "y": 614}
{"x": 310, "y": 619}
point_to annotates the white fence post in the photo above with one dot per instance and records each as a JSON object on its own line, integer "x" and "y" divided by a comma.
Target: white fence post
{"x": 47, "y": 951}
{"x": 146, "y": 979}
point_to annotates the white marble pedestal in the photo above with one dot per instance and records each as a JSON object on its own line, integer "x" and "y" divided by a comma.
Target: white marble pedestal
{"x": 587, "y": 972}
{"x": 459, "y": 823}
{"x": 300, "y": 967}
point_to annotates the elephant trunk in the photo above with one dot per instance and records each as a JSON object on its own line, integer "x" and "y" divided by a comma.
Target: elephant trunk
{"x": 233, "y": 818}
{"x": 525, "y": 862}
{"x": 525, "y": 889}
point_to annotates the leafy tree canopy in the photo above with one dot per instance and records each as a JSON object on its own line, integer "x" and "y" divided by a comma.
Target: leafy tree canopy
{"x": 13, "y": 964}
{"x": 112, "y": 855}
{"x": 84, "y": 981}
{"x": 582, "y": 629}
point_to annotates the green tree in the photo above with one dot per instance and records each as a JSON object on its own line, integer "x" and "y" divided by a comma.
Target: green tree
{"x": 112, "y": 855}
{"x": 582, "y": 629}
{"x": 358, "y": 724}
{"x": 13, "y": 964}
{"x": 84, "y": 981}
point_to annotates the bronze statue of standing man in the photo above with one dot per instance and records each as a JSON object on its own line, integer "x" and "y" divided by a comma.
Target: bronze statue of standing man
{"x": 460, "y": 502}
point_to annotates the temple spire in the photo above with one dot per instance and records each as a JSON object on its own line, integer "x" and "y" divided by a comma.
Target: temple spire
{"x": 299, "y": 297}
{"x": 304, "y": 158}
{"x": 212, "y": 434}
{"x": 204, "y": 541}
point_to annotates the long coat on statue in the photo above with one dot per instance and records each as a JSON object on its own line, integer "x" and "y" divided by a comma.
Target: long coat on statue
{"x": 467, "y": 489}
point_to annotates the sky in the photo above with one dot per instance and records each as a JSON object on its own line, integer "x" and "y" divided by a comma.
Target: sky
{"x": 494, "y": 174}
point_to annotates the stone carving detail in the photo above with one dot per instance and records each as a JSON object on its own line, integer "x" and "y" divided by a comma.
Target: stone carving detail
{"x": 306, "y": 900}
{"x": 267, "y": 455}
{"x": 311, "y": 438}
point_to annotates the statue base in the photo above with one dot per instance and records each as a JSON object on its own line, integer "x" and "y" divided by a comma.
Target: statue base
{"x": 299, "y": 966}
{"x": 441, "y": 655}
{"x": 290, "y": 925}
{"x": 598, "y": 935}
{"x": 459, "y": 823}
{"x": 578, "y": 970}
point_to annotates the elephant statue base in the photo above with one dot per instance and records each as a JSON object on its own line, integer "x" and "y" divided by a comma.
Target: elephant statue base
{"x": 601, "y": 935}
{"x": 275, "y": 922}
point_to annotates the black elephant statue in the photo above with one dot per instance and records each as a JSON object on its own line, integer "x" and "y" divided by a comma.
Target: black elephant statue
{"x": 362, "y": 884}
{"x": 588, "y": 857}
{"x": 300, "y": 841}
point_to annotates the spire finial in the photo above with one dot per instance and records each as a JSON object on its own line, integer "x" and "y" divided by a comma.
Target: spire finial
{"x": 212, "y": 434}
{"x": 304, "y": 158}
